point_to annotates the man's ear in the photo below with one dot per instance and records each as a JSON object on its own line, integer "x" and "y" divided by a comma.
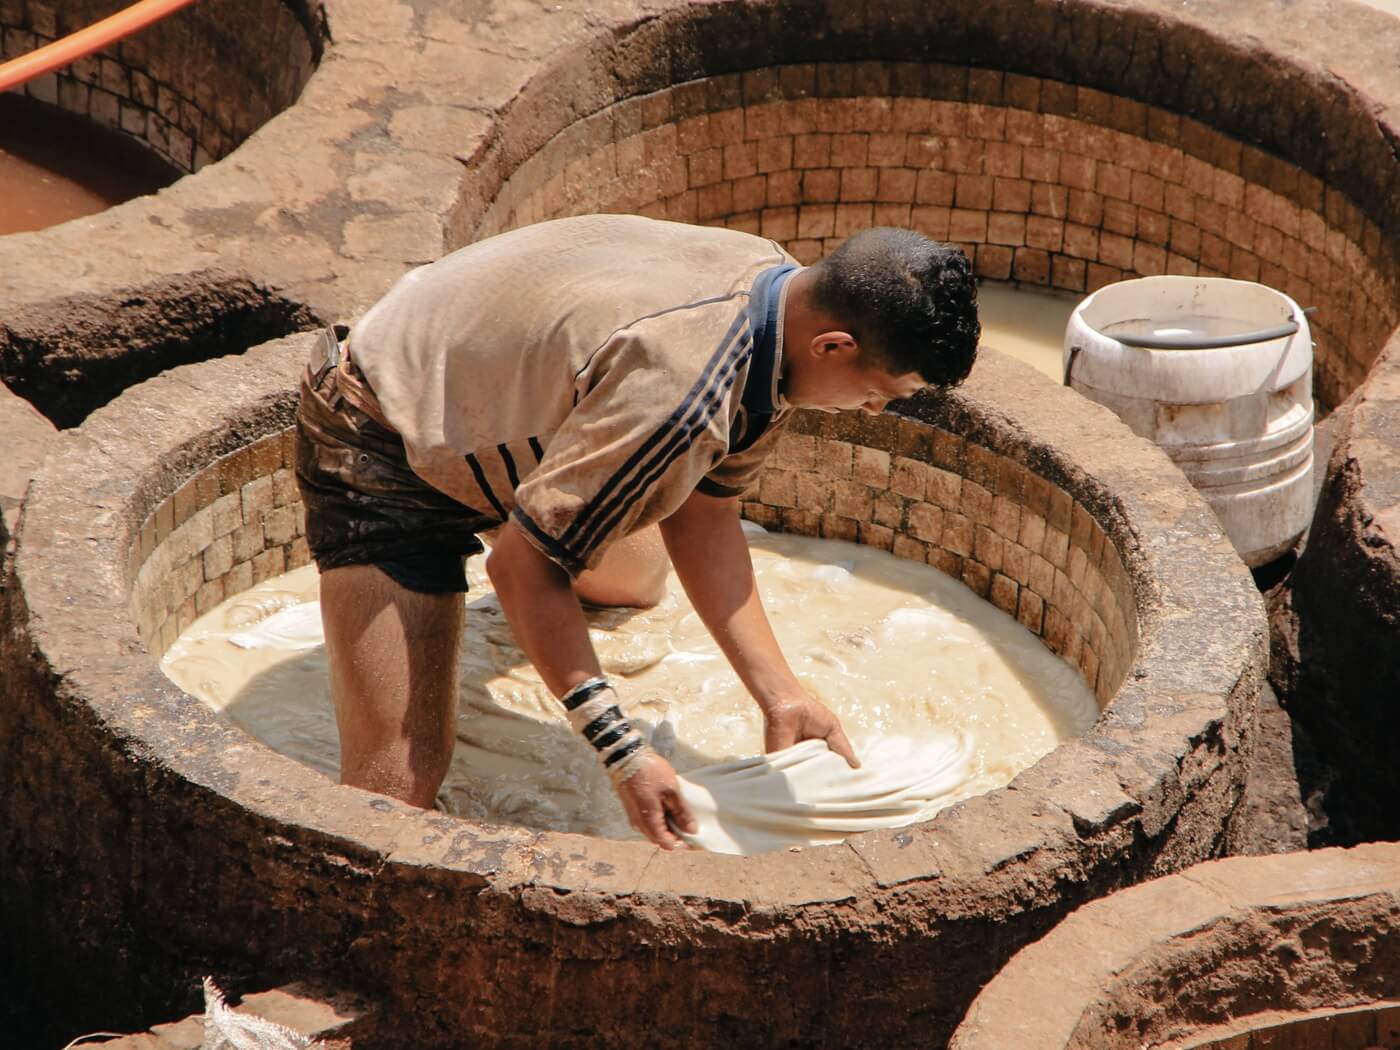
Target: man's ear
{"x": 835, "y": 345}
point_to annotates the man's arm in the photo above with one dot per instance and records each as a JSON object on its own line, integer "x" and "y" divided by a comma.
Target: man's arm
{"x": 706, "y": 544}
{"x": 547, "y": 621}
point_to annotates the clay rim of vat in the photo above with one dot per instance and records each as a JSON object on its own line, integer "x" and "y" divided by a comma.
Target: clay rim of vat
{"x": 1172, "y": 938}
{"x": 1199, "y": 659}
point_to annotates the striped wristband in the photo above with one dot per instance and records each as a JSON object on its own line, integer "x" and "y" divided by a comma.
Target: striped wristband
{"x": 592, "y": 710}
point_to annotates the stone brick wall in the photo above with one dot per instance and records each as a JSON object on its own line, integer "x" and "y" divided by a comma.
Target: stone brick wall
{"x": 918, "y": 491}
{"x": 1040, "y": 181}
{"x": 236, "y": 523}
{"x": 191, "y": 87}
{"x": 924, "y": 493}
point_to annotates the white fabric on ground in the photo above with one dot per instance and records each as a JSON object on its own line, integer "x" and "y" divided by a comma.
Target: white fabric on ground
{"x": 806, "y": 795}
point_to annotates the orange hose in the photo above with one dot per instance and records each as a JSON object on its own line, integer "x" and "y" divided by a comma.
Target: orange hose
{"x": 85, "y": 41}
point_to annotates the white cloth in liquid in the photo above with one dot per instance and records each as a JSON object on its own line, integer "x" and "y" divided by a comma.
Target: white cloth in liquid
{"x": 807, "y": 795}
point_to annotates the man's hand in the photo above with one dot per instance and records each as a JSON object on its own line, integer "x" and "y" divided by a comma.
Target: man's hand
{"x": 789, "y": 722}
{"x": 650, "y": 796}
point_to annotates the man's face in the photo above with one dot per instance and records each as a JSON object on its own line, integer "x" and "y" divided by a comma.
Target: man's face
{"x": 855, "y": 383}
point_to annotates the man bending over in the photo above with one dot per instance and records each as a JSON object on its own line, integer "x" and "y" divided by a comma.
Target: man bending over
{"x": 599, "y": 390}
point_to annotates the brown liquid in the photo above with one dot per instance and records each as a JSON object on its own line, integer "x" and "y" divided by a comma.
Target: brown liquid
{"x": 55, "y": 166}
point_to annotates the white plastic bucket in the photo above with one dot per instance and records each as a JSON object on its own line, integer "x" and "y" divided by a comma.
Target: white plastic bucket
{"x": 1237, "y": 419}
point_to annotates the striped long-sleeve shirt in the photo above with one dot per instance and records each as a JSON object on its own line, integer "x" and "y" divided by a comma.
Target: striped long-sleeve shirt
{"x": 584, "y": 376}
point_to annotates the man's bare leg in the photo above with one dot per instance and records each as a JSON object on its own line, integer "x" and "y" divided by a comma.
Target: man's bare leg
{"x": 393, "y": 662}
{"x": 632, "y": 573}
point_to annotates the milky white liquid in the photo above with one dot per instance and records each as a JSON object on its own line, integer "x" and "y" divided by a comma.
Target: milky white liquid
{"x": 1027, "y": 325}
{"x": 896, "y": 649}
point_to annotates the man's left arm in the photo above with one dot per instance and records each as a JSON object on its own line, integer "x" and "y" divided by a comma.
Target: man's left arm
{"x": 706, "y": 545}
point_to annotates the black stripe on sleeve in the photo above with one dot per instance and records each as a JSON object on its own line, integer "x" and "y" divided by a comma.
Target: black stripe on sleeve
{"x": 658, "y": 465}
{"x": 485, "y": 485}
{"x": 582, "y": 524}
{"x": 714, "y": 488}
{"x": 537, "y": 449}
{"x": 553, "y": 548}
{"x": 509, "y": 461}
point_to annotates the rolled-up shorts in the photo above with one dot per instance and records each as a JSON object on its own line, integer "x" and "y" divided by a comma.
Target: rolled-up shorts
{"x": 364, "y": 504}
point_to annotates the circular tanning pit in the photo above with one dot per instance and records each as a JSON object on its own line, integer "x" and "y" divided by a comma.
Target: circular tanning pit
{"x": 47, "y": 174}
{"x": 188, "y": 88}
{"x": 1238, "y": 954}
{"x": 1068, "y": 146}
{"x": 200, "y": 850}
{"x": 90, "y": 307}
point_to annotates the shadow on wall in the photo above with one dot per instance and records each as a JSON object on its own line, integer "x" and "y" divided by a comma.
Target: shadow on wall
{"x": 75, "y": 354}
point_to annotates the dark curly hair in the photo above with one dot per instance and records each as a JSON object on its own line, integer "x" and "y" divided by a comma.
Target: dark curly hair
{"x": 910, "y": 301}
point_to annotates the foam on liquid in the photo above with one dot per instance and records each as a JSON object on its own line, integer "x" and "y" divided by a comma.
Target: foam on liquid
{"x": 899, "y": 651}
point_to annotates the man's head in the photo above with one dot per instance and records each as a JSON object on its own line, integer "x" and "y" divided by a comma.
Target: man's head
{"x": 886, "y": 314}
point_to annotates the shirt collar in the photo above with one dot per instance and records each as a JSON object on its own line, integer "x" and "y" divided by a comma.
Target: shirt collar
{"x": 766, "y": 301}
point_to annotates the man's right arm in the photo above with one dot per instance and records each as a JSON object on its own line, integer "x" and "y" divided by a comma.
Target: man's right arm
{"x": 548, "y": 623}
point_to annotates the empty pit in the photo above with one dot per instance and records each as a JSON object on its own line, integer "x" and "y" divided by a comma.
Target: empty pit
{"x": 1238, "y": 954}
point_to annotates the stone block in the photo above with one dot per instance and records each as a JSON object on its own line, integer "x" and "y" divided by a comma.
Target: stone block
{"x": 280, "y": 525}
{"x": 811, "y": 151}
{"x": 218, "y": 558}
{"x": 1004, "y": 593}
{"x": 269, "y": 563}
{"x": 256, "y": 498}
{"x": 814, "y": 492}
{"x": 889, "y": 510}
{"x": 834, "y": 527}
{"x": 977, "y": 502}
{"x": 850, "y": 499}
{"x": 870, "y": 466}
{"x": 875, "y": 535}
{"x": 943, "y": 487}
{"x": 977, "y": 577}
{"x": 957, "y": 535}
{"x": 925, "y": 522}
{"x": 225, "y": 515}
{"x": 778, "y": 488}
{"x": 821, "y": 186}
{"x": 904, "y": 546}
{"x": 238, "y": 579}
{"x": 1030, "y": 610}
{"x": 987, "y": 547}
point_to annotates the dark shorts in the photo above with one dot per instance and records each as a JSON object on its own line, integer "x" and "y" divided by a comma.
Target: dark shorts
{"x": 366, "y": 506}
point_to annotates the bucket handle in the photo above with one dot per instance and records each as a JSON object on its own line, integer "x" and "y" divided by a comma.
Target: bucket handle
{"x": 1263, "y": 335}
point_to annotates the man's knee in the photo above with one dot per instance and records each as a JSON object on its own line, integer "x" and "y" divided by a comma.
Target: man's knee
{"x": 635, "y": 591}
{"x": 632, "y": 573}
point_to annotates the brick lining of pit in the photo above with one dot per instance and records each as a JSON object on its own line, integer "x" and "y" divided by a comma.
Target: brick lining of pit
{"x": 191, "y": 87}
{"x": 1041, "y": 182}
{"x": 1239, "y": 954}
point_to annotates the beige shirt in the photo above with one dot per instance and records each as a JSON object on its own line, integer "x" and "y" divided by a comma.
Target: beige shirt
{"x": 584, "y": 376}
